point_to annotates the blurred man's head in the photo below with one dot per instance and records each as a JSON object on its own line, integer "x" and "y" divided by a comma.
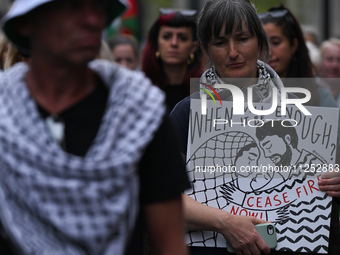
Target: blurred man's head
{"x": 64, "y": 30}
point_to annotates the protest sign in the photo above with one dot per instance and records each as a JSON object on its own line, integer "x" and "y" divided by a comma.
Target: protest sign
{"x": 264, "y": 166}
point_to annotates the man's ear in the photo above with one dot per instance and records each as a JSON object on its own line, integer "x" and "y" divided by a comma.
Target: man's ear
{"x": 288, "y": 139}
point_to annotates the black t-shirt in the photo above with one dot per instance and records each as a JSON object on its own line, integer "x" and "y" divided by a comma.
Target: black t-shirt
{"x": 161, "y": 169}
{"x": 174, "y": 94}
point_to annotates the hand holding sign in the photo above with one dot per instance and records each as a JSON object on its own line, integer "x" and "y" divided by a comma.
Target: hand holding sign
{"x": 330, "y": 182}
{"x": 241, "y": 233}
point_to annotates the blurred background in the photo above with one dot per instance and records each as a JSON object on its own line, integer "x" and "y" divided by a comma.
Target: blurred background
{"x": 321, "y": 15}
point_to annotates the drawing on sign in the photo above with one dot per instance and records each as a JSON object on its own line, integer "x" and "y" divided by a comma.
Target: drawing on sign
{"x": 269, "y": 171}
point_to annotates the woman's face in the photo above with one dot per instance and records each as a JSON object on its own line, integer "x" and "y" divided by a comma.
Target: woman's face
{"x": 234, "y": 55}
{"x": 280, "y": 49}
{"x": 331, "y": 62}
{"x": 124, "y": 55}
{"x": 175, "y": 44}
{"x": 249, "y": 158}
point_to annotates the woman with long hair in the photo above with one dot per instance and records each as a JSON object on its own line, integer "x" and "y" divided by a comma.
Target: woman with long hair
{"x": 289, "y": 55}
{"x": 171, "y": 56}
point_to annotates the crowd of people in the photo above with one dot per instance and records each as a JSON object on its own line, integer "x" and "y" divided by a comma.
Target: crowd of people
{"x": 94, "y": 133}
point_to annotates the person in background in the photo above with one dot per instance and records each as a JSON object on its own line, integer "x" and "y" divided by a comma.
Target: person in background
{"x": 310, "y": 34}
{"x": 125, "y": 51}
{"x": 14, "y": 56}
{"x": 86, "y": 145}
{"x": 330, "y": 66}
{"x": 105, "y": 52}
{"x": 311, "y": 38}
{"x": 289, "y": 55}
{"x": 170, "y": 57}
{"x": 3, "y": 50}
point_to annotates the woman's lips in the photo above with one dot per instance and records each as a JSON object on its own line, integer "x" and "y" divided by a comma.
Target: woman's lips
{"x": 235, "y": 65}
{"x": 173, "y": 53}
{"x": 272, "y": 62}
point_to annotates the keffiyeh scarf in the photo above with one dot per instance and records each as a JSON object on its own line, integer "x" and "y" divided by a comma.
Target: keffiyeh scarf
{"x": 262, "y": 90}
{"x": 52, "y": 202}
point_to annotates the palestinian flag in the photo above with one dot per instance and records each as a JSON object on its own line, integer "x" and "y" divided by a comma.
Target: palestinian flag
{"x": 128, "y": 23}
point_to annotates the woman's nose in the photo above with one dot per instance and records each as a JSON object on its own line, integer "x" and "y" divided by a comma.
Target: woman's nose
{"x": 174, "y": 40}
{"x": 233, "y": 51}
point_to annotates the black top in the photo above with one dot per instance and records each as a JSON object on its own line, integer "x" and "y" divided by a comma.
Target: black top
{"x": 81, "y": 120}
{"x": 174, "y": 94}
{"x": 180, "y": 117}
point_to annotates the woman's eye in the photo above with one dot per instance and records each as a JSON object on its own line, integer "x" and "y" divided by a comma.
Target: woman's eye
{"x": 275, "y": 43}
{"x": 183, "y": 38}
{"x": 219, "y": 43}
{"x": 166, "y": 36}
{"x": 243, "y": 39}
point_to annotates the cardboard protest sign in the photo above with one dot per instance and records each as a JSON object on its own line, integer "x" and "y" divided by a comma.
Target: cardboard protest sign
{"x": 266, "y": 167}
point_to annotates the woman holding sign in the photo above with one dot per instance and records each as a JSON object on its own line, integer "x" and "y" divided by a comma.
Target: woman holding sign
{"x": 231, "y": 34}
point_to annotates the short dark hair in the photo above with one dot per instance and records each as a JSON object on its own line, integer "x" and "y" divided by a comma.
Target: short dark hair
{"x": 276, "y": 128}
{"x": 216, "y": 13}
{"x": 243, "y": 149}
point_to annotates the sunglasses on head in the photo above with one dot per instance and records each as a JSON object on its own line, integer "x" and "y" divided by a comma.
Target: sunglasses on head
{"x": 273, "y": 14}
{"x": 186, "y": 12}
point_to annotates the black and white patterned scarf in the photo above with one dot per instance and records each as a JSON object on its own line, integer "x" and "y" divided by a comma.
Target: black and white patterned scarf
{"x": 52, "y": 202}
{"x": 262, "y": 92}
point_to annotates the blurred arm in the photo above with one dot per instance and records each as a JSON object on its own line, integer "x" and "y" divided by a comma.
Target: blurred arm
{"x": 166, "y": 227}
